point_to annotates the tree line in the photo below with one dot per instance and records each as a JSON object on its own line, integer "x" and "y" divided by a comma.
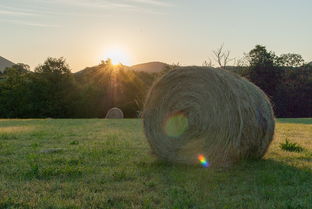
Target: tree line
{"x": 286, "y": 79}
{"x": 52, "y": 90}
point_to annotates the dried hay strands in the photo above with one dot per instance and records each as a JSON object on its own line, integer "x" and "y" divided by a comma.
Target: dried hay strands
{"x": 201, "y": 111}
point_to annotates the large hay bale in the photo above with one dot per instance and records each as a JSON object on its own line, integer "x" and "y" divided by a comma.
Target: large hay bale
{"x": 197, "y": 112}
{"x": 114, "y": 113}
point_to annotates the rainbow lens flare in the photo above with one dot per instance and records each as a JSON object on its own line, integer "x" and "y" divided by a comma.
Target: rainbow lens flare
{"x": 203, "y": 161}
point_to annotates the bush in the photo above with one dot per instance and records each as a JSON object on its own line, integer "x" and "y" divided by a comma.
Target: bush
{"x": 290, "y": 147}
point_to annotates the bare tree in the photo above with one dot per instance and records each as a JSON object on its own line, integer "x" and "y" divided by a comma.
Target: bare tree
{"x": 222, "y": 56}
{"x": 207, "y": 63}
{"x": 242, "y": 61}
{"x": 173, "y": 66}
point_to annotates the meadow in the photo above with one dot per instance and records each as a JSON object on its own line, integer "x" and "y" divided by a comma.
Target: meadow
{"x": 98, "y": 163}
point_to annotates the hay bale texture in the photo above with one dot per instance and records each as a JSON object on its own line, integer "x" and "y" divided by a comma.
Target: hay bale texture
{"x": 114, "y": 113}
{"x": 192, "y": 111}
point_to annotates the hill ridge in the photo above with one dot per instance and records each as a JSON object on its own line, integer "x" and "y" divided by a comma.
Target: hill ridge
{"x": 151, "y": 67}
{"x": 4, "y": 63}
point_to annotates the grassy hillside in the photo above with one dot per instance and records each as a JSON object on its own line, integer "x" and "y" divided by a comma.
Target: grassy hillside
{"x": 107, "y": 164}
{"x": 150, "y": 67}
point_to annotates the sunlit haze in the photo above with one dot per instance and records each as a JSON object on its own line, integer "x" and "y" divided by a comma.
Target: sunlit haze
{"x": 176, "y": 31}
{"x": 117, "y": 56}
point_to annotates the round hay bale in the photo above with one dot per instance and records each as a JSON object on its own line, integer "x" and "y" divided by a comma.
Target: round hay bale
{"x": 194, "y": 114}
{"x": 114, "y": 113}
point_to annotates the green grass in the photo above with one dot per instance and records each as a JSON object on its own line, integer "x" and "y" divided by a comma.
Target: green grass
{"x": 107, "y": 164}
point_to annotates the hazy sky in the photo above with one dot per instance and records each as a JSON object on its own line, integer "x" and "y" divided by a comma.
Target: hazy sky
{"x": 184, "y": 31}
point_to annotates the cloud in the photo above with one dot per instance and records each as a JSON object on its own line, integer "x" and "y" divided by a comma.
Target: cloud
{"x": 153, "y": 2}
{"x": 96, "y": 4}
{"x": 16, "y": 13}
{"x": 42, "y": 11}
{"x": 33, "y": 24}
{"x": 109, "y": 4}
{"x": 47, "y": 7}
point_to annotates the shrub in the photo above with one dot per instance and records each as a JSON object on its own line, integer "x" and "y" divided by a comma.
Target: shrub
{"x": 290, "y": 147}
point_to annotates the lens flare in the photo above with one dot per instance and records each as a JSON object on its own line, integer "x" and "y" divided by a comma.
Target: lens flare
{"x": 176, "y": 124}
{"x": 203, "y": 161}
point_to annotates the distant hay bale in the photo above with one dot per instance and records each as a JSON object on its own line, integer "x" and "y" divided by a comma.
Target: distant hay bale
{"x": 114, "y": 113}
{"x": 196, "y": 112}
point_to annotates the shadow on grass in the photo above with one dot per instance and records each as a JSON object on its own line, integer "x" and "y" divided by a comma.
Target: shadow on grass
{"x": 295, "y": 120}
{"x": 252, "y": 184}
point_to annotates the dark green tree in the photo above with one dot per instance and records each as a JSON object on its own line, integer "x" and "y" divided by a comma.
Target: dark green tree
{"x": 290, "y": 60}
{"x": 263, "y": 71}
{"x": 293, "y": 96}
{"x": 53, "y": 89}
{"x": 14, "y": 92}
{"x": 133, "y": 87}
{"x": 96, "y": 89}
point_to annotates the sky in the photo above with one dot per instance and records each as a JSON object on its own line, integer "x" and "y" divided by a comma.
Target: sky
{"x": 177, "y": 31}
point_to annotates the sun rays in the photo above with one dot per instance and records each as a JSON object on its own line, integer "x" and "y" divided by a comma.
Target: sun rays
{"x": 117, "y": 56}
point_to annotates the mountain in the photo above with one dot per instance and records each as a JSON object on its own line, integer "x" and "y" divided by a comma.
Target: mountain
{"x": 4, "y": 63}
{"x": 150, "y": 67}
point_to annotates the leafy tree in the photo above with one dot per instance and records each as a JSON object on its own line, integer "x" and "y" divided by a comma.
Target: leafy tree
{"x": 18, "y": 68}
{"x": 290, "y": 60}
{"x": 53, "y": 88}
{"x": 54, "y": 65}
{"x": 260, "y": 56}
{"x": 263, "y": 71}
{"x": 14, "y": 92}
{"x": 293, "y": 97}
{"x": 95, "y": 84}
{"x": 133, "y": 87}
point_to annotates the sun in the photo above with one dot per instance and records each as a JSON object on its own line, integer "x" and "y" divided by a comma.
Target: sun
{"x": 117, "y": 56}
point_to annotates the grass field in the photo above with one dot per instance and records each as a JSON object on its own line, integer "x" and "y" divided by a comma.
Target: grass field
{"x": 107, "y": 164}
